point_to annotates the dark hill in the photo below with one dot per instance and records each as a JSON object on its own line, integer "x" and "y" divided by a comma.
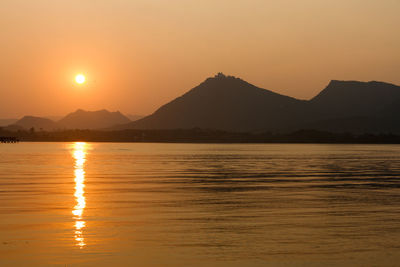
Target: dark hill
{"x": 37, "y": 123}
{"x": 228, "y": 103}
{"x": 357, "y": 107}
{"x": 6, "y": 122}
{"x": 82, "y": 119}
{"x": 353, "y": 99}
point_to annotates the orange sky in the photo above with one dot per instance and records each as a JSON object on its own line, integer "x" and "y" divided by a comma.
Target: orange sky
{"x": 139, "y": 54}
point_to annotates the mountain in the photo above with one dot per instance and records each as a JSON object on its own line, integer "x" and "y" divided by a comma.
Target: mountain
{"x": 5, "y": 122}
{"x": 357, "y": 107}
{"x": 229, "y": 103}
{"x": 232, "y": 104}
{"x": 82, "y": 119}
{"x": 353, "y": 99}
{"x": 37, "y": 123}
{"x": 79, "y": 119}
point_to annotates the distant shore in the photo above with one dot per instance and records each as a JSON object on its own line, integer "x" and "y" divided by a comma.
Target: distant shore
{"x": 200, "y": 136}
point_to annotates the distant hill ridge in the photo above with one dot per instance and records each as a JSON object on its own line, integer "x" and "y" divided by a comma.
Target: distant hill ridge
{"x": 229, "y": 103}
{"x": 232, "y": 104}
{"x": 29, "y": 122}
{"x": 352, "y": 98}
{"x": 5, "y": 122}
{"x": 80, "y": 119}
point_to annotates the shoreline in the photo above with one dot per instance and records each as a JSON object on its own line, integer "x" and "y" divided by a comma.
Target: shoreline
{"x": 197, "y": 136}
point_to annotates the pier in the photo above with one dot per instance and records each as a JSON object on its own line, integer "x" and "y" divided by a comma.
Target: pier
{"x": 8, "y": 139}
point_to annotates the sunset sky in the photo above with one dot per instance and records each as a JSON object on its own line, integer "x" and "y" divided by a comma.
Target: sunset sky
{"x": 139, "y": 54}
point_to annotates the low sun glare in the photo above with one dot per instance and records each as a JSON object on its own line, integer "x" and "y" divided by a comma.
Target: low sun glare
{"x": 80, "y": 78}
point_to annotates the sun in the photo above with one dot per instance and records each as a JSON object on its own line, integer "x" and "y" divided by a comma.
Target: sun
{"x": 80, "y": 79}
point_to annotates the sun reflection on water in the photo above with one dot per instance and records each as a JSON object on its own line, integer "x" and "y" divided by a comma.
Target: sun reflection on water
{"x": 79, "y": 154}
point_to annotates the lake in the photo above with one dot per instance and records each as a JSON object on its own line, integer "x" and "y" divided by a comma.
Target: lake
{"x": 148, "y": 204}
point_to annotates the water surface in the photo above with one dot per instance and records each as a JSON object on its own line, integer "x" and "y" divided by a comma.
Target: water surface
{"x": 110, "y": 204}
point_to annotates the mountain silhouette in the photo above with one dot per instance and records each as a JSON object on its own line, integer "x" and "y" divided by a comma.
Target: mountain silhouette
{"x": 82, "y": 119}
{"x": 352, "y": 98}
{"x": 5, "y": 122}
{"x": 37, "y": 123}
{"x": 357, "y": 107}
{"x": 229, "y": 103}
{"x": 232, "y": 104}
{"x": 79, "y": 119}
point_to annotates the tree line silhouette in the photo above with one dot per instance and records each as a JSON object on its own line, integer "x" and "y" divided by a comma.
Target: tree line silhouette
{"x": 197, "y": 135}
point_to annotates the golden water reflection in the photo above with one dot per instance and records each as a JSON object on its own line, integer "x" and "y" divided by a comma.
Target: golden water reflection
{"x": 79, "y": 154}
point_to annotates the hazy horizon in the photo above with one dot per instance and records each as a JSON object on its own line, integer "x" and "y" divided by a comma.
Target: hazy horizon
{"x": 138, "y": 55}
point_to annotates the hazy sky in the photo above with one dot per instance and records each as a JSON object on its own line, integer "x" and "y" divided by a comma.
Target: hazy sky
{"x": 139, "y": 54}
